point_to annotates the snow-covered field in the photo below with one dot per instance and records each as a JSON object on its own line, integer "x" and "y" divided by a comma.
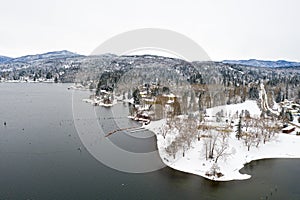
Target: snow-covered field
{"x": 194, "y": 161}
{"x": 249, "y": 105}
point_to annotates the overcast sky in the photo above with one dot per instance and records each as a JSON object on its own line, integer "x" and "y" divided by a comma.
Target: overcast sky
{"x": 226, "y": 29}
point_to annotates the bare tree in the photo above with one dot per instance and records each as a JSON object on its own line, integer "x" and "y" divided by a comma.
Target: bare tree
{"x": 206, "y": 147}
{"x": 211, "y": 142}
{"x": 259, "y": 131}
{"x": 214, "y": 171}
{"x": 249, "y": 139}
{"x": 247, "y": 122}
{"x": 172, "y": 149}
{"x": 191, "y": 131}
{"x": 164, "y": 130}
{"x": 221, "y": 149}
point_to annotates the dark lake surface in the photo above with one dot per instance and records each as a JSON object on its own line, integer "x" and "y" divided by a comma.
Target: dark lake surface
{"x": 40, "y": 159}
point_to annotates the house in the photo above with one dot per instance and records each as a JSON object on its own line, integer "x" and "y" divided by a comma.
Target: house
{"x": 288, "y": 129}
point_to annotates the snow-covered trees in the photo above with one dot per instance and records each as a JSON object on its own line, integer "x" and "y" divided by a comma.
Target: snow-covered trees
{"x": 214, "y": 171}
{"x": 172, "y": 149}
{"x": 184, "y": 133}
{"x": 214, "y": 137}
{"x": 256, "y": 131}
{"x": 215, "y": 144}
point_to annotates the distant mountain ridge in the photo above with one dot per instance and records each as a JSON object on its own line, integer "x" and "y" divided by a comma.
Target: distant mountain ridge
{"x": 4, "y": 59}
{"x": 31, "y": 58}
{"x": 263, "y": 63}
{"x": 70, "y": 67}
{"x": 67, "y": 54}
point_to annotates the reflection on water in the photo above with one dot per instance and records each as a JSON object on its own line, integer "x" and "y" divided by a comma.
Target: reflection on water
{"x": 39, "y": 158}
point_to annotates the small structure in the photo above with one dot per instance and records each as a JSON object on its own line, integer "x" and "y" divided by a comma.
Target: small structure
{"x": 288, "y": 129}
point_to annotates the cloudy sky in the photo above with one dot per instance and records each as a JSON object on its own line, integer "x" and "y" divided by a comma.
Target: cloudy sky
{"x": 231, "y": 29}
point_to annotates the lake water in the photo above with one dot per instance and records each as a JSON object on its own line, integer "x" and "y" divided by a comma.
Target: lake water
{"x": 39, "y": 158}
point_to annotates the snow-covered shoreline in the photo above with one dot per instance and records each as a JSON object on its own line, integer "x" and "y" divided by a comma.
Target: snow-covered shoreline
{"x": 28, "y": 81}
{"x": 194, "y": 162}
{"x": 283, "y": 146}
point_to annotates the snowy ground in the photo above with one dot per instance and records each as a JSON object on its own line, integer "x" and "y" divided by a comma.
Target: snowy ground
{"x": 281, "y": 146}
{"x": 249, "y": 105}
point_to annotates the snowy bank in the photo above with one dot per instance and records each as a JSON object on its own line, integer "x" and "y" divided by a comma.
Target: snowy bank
{"x": 194, "y": 161}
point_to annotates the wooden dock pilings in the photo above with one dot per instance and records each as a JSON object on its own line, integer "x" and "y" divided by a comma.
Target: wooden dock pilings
{"x": 120, "y": 129}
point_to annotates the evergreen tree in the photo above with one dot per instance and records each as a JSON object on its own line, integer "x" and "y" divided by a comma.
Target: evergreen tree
{"x": 287, "y": 91}
{"x": 48, "y": 75}
{"x": 35, "y": 77}
{"x": 278, "y": 97}
{"x": 239, "y": 128}
{"x": 136, "y": 96}
{"x": 200, "y": 101}
{"x": 166, "y": 90}
{"x": 289, "y": 116}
